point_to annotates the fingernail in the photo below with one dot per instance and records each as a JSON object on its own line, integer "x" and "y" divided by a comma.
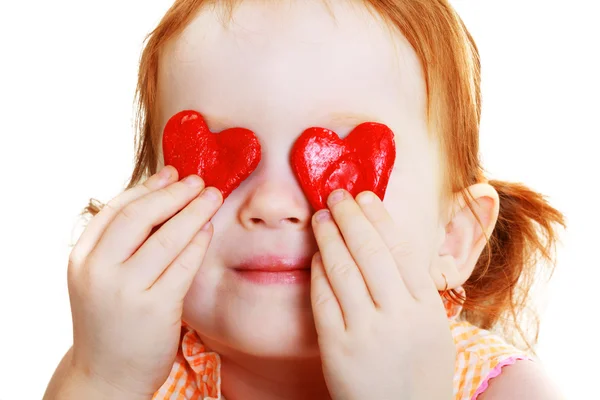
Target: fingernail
{"x": 365, "y": 198}
{"x": 210, "y": 194}
{"x": 193, "y": 181}
{"x": 323, "y": 215}
{"x": 336, "y": 196}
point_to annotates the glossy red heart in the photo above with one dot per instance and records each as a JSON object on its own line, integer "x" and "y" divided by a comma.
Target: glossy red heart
{"x": 361, "y": 161}
{"x": 222, "y": 159}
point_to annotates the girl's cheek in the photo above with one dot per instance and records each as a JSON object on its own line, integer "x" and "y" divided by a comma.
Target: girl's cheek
{"x": 416, "y": 220}
{"x": 200, "y": 298}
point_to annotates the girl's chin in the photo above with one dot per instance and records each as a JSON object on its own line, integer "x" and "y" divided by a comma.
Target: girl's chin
{"x": 274, "y": 331}
{"x": 264, "y": 345}
{"x": 254, "y": 318}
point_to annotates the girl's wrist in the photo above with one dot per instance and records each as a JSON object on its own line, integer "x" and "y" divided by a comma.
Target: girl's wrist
{"x": 83, "y": 386}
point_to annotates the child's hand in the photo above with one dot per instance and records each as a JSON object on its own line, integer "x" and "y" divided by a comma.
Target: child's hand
{"x": 382, "y": 328}
{"x": 127, "y": 285}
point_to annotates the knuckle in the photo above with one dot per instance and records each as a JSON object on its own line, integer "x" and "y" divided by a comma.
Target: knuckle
{"x": 341, "y": 269}
{"x": 112, "y": 207}
{"x": 399, "y": 250}
{"x": 206, "y": 203}
{"x": 125, "y": 198}
{"x": 198, "y": 243}
{"x": 185, "y": 264}
{"x": 320, "y": 293}
{"x": 365, "y": 246}
{"x": 317, "y": 278}
{"x": 322, "y": 298}
{"x": 147, "y": 186}
{"x": 130, "y": 212}
{"x": 199, "y": 209}
{"x": 170, "y": 193}
{"x": 369, "y": 249}
{"x": 380, "y": 220}
{"x": 165, "y": 241}
{"x": 328, "y": 240}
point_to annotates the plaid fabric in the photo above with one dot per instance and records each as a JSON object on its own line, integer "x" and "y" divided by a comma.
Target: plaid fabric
{"x": 480, "y": 357}
{"x": 195, "y": 374}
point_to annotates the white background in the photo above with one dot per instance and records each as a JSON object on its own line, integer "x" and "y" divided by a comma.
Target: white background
{"x": 67, "y": 78}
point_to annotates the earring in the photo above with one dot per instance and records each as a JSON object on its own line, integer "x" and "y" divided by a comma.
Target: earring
{"x": 444, "y": 293}
{"x": 449, "y": 306}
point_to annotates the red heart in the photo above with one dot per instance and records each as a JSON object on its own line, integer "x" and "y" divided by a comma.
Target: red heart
{"x": 223, "y": 160}
{"x": 362, "y": 161}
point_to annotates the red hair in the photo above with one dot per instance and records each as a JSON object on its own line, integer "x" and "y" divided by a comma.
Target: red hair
{"x": 525, "y": 234}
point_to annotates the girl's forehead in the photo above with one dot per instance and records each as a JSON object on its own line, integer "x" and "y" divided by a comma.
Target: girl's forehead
{"x": 291, "y": 63}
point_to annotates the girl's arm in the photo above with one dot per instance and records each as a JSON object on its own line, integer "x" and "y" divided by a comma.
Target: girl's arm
{"x": 522, "y": 380}
{"x": 69, "y": 384}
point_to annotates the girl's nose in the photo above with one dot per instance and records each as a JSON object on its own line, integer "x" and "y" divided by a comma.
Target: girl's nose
{"x": 275, "y": 205}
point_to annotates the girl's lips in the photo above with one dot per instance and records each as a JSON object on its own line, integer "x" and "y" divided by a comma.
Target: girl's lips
{"x": 272, "y": 269}
{"x": 297, "y": 276}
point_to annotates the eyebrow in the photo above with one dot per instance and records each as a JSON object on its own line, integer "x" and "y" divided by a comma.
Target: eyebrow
{"x": 218, "y": 121}
{"x": 352, "y": 119}
{"x": 334, "y": 119}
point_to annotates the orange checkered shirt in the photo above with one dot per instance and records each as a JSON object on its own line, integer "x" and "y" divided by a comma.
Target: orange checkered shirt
{"x": 481, "y": 355}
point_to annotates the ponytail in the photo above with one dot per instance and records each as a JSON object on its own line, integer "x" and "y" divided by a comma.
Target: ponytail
{"x": 525, "y": 236}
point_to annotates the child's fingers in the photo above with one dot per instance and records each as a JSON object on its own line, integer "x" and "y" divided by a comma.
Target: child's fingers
{"x": 96, "y": 227}
{"x": 326, "y": 308}
{"x": 342, "y": 272}
{"x": 177, "y": 278}
{"x": 134, "y": 222}
{"x": 165, "y": 245}
{"x": 370, "y": 252}
{"x": 417, "y": 280}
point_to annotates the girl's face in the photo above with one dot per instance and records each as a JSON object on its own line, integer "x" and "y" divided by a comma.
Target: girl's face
{"x": 278, "y": 68}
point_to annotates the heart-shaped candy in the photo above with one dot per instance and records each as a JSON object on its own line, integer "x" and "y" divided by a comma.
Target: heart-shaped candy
{"x": 222, "y": 159}
{"x": 361, "y": 161}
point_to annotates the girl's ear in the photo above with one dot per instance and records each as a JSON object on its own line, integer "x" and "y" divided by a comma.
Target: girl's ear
{"x": 465, "y": 235}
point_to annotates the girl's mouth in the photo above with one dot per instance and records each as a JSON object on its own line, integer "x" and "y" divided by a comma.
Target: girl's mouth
{"x": 275, "y": 269}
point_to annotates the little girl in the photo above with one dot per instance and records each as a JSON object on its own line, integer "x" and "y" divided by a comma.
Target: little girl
{"x": 177, "y": 293}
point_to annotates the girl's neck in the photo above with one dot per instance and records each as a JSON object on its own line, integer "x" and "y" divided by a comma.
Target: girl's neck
{"x": 251, "y": 378}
